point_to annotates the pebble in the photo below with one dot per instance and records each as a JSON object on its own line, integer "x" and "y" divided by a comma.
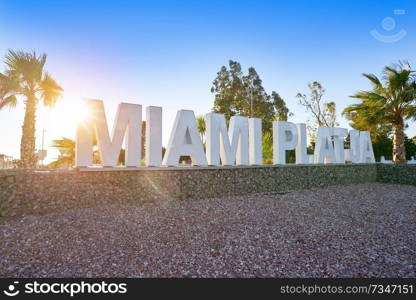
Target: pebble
{"x": 364, "y": 230}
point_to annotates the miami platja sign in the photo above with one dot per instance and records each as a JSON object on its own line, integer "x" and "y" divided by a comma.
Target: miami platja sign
{"x": 239, "y": 144}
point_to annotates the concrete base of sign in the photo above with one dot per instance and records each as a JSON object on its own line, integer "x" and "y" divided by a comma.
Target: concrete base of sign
{"x": 24, "y": 192}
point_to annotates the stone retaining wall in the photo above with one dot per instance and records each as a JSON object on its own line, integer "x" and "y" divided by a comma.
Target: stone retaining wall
{"x": 401, "y": 174}
{"x": 37, "y": 192}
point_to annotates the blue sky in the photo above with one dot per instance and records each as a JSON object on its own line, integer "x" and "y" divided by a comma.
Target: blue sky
{"x": 167, "y": 53}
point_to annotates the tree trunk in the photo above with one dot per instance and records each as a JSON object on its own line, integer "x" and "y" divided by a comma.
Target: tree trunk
{"x": 28, "y": 158}
{"x": 399, "y": 151}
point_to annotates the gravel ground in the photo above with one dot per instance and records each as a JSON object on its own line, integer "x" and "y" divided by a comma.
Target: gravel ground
{"x": 361, "y": 230}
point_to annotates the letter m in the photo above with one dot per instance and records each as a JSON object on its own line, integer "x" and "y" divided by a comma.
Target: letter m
{"x": 231, "y": 147}
{"x": 127, "y": 126}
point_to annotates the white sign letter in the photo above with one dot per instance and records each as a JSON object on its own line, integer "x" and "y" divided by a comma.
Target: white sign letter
{"x": 83, "y": 149}
{"x": 324, "y": 150}
{"x": 366, "y": 148}
{"x": 255, "y": 141}
{"x": 354, "y": 155}
{"x": 185, "y": 140}
{"x": 301, "y": 147}
{"x": 153, "y": 136}
{"x": 285, "y": 137}
{"x": 218, "y": 141}
{"x": 128, "y": 119}
{"x": 339, "y": 134}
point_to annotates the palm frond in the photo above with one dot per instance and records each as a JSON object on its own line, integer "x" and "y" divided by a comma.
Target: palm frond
{"x": 50, "y": 90}
{"x": 9, "y": 88}
{"x": 410, "y": 112}
{"x": 201, "y": 124}
{"x": 370, "y": 96}
{"x": 65, "y": 145}
{"x": 10, "y": 101}
{"x": 407, "y": 96}
{"x": 63, "y": 161}
{"x": 28, "y": 65}
{"x": 378, "y": 86}
{"x": 398, "y": 77}
{"x": 66, "y": 149}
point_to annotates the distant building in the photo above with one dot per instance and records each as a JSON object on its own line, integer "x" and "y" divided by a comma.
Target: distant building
{"x": 6, "y": 162}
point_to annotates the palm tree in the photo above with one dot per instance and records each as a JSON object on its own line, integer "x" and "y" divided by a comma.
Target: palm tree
{"x": 25, "y": 76}
{"x": 66, "y": 148}
{"x": 200, "y": 122}
{"x": 391, "y": 102}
